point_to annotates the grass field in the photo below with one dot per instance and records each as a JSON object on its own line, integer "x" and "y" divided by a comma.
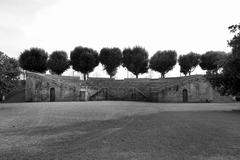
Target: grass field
{"x": 119, "y": 130}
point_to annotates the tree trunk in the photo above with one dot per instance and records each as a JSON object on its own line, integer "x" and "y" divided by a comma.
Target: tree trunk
{"x": 189, "y": 73}
{"x": 84, "y": 76}
{"x": 137, "y": 76}
{"x": 25, "y": 75}
{"x": 162, "y": 75}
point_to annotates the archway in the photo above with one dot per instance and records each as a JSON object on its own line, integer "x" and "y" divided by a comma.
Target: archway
{"x": 185, "y": 95}
{"x": 52, "y": 94}
{"x": 82, "y": 95}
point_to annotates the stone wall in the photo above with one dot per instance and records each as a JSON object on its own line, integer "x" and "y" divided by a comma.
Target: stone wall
{"x": 197, "y": 90}
{"x": 38, "y": 89}
{"x": 180, "y": 89}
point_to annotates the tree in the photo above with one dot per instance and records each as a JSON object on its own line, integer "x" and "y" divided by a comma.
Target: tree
{"x": 235, "y": 41}
{"x": 188, "y": 62}
{"x": 136, "y": 60}
{"x": 84, "y": 60}
{"x": 231, "y": 74}
{"x": 111, "y": 59}
{"x": 163, "y": 61}
{"x": 9, "y": 72}
{"x": 58, "y": 62}
{"x": 34, "y": 60}
{"x": 228, "y": 80}
{"x": 211, "y": 60}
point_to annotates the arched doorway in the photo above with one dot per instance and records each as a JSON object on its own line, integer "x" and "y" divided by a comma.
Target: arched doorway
{"x": 185, "y": 95}
{"x": 82, "y": 95}
{"x": 52, "y": 94}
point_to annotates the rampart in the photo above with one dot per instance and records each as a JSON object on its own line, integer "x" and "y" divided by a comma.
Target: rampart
{"x": 196, "y": 88}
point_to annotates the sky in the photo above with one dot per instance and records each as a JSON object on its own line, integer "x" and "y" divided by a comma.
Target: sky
{"x": 181, "y": 25}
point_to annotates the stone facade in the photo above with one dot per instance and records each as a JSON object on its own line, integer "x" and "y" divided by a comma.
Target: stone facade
{"x": 194, "y": 90}
{"x": 40, "y": 87}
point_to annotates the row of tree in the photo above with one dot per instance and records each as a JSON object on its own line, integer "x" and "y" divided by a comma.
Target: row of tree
{"x": 84, "y": 60}
{"x": 223, "y": 70}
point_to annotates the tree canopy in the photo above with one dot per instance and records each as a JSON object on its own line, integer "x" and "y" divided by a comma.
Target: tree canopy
{"x": 228, "y": 80}
{"x": 231, "y": 74}
{"x": 84, "y": 60}
{"x": 235, "y": 41}
{"x": 9, "y": 72}
{"x": 163, "y": 61}
{"x": 58, "y": 62}
{"x": 211, "y": 60}
{"x": 34, "y": 59}
{"x": 111, "y": 59}
{"x": 188, "y": 62}
{"x": 136, "y": 60}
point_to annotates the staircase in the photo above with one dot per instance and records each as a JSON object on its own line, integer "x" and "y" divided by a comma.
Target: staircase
{"x": 131, "y": 94}
{"x": 100, "y": 94}
{"x": 177, "y": 82}
{"x": 16, "y": 96}
{"x": 16, "y": 93}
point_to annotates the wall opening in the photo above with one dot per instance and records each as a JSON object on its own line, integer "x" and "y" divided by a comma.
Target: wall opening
{"x": 185, "y": 95}
{"x": 82, "y": 95}
{"x": 52, "y": 94}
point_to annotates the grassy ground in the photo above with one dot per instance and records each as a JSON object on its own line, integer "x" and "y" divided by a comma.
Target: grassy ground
{"x": 119, "y": 130}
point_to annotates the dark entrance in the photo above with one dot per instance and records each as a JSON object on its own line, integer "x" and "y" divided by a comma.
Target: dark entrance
{"x": 82, "y": 95}
{"x": 185, "y": 95}
{"x": 52, "y": 94}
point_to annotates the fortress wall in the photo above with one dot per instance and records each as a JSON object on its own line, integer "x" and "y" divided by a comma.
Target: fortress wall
{"x": 38, "y": 89}
{"x": 196, "y": 88}
{"x": 197, "y": 91}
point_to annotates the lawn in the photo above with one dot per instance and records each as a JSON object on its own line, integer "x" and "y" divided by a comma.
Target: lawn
{"x": 119, "y": 130}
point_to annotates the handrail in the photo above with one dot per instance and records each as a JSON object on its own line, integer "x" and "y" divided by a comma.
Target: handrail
{"x": 139, "y": 91}
{"x": 98, "y": 91}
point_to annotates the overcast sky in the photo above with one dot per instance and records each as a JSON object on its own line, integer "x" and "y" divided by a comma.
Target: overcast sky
{"x": 181, "y": 25}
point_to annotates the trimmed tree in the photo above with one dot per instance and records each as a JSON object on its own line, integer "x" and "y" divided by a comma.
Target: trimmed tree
{"x": 211, "y": 60}
{"x": 188, "y": 62}
{"x": 84, "y": 60}
{"x": 58, "y": 62}
{"x": 111, "y": 59}
{"x": 135, "y": 60}
{"x": 163, "y": 61}
{"x": 34, "y": 60}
